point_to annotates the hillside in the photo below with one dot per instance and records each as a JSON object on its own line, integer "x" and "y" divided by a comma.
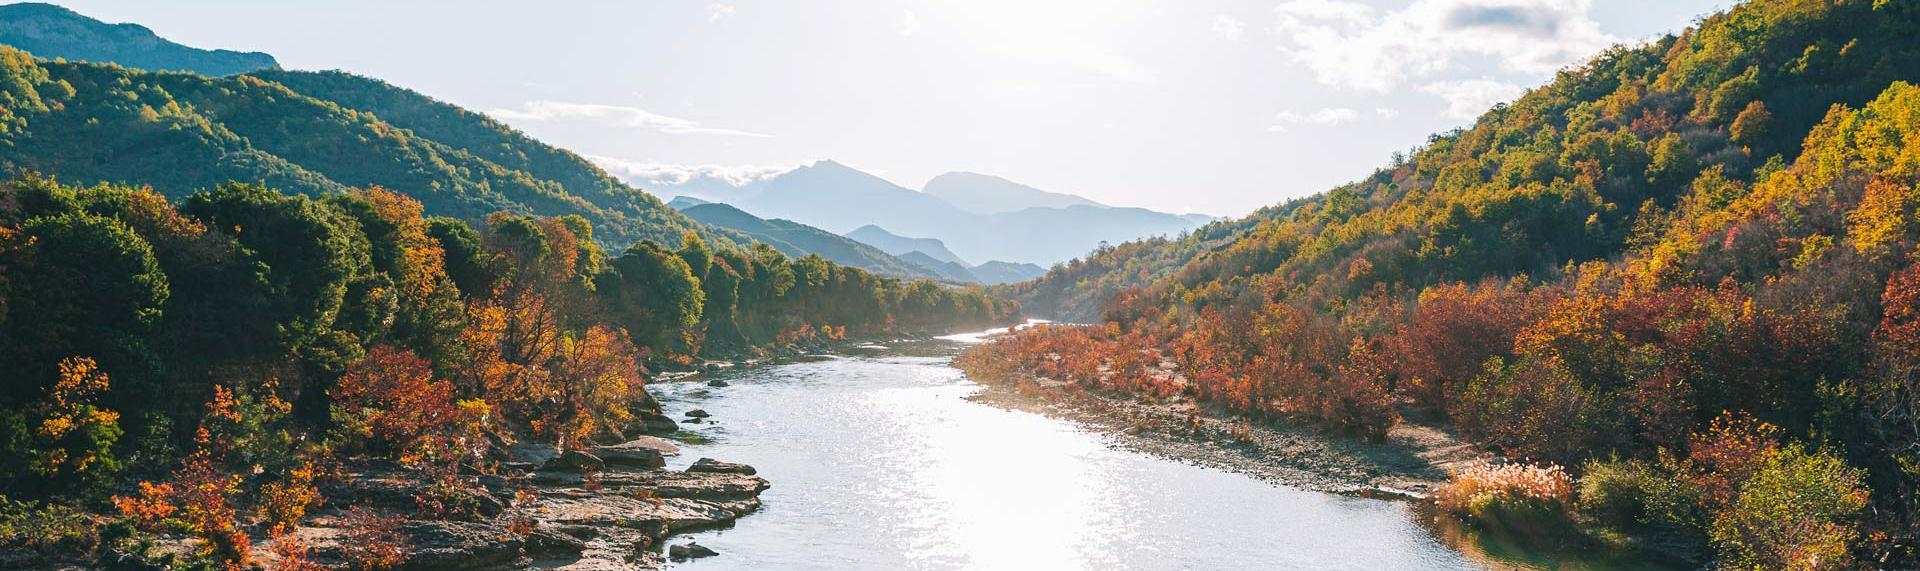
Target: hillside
{"x": 997, "y": 272}
{"x": 949, "y": 271}
{"x": 181, "y": 132}
{"x": 901, "y": 245}
{"x": 800, "y": 240}
{"x": 1703, "y": 242}
{"x": 51, "y": 31}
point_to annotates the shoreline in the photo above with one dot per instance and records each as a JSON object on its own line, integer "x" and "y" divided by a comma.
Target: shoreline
{"x": 1409, "y": 464}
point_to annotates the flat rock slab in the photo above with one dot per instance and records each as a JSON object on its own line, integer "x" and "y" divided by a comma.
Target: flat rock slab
{"x": 654, "y": 517}
{"x": 644, "y": 452}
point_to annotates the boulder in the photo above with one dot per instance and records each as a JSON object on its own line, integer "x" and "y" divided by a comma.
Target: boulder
{"x": 697, "y": 413}
{"x": 689, "y": 551}
{"x": 547, "y": 543}
{"x": 574, "y": 461}
{"x": 652, "y": 423}
{"x": 715, "y": 466}
{"x": 718, "y": 383}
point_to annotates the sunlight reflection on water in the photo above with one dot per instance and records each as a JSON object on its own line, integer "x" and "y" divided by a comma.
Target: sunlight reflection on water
{"x": 881, "y": 463}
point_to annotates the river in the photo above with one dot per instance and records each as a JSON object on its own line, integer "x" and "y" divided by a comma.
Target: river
{"x": 879, "y": 461}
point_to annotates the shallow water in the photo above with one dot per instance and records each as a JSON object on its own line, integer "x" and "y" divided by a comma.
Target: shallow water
{"x": 879, "y": 462}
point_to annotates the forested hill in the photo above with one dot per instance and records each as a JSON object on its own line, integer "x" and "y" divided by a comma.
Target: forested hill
{"x": 51, "y": 31}
{"x": 1688, "y": 262}
{"x": 182, "y": 132}
{"x": 1574, "y": 170}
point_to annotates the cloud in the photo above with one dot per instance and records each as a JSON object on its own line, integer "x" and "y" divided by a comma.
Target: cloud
{"x": 908, "y": 23}
{"x": 1228, "y": 28}
{"x": 1468, "y": 99}
{"x": 717, "y": 12}
{"x": 654, "y": 175}
{"x": 1328, "y": 116}
{"x": 615, "y": 114}
{"x": 1351, "y": 45}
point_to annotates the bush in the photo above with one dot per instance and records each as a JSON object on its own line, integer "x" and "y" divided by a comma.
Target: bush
{"x": 1532, "y": 501}
{"x": 46, "y": 528}
{"x": 1644, "y": 500}
{"x": 1796, "y": 512}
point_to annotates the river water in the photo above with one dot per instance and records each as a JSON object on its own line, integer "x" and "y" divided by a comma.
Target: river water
{"x": 878, "y": 461}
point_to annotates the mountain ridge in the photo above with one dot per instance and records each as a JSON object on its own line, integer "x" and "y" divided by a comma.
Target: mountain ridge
{"x": 54, "y": 31}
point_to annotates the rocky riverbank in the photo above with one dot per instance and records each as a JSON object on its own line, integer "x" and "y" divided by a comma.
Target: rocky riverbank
{"x": 612, "y": 507}
{"x": 1413, "y": 460}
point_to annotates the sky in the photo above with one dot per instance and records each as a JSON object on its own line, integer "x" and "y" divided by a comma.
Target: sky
{"x": 1211, "y": 106}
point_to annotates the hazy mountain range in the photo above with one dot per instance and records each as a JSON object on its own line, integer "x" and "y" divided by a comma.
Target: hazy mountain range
{"x": 976, "y": 216}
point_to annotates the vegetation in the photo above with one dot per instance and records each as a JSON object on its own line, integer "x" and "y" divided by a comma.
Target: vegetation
{"x": 287, "y": 332}
{"x": 1694, "y": 260}
{"x": 310, "y": 133}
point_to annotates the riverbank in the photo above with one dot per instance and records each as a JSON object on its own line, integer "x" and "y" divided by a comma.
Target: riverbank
{"x": 1410, "y": 463}
{"x": 609, "y": 507}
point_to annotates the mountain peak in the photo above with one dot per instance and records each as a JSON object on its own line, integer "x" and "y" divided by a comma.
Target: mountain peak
{"x": 989, "y": 194}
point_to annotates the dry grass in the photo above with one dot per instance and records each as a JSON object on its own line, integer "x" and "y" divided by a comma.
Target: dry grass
{"x": 1482, "y": 491}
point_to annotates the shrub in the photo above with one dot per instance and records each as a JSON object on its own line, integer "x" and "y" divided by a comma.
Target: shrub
{"x": 1797, "y": 511}
{"x": 46, "y": 528}
{"x": 1645, "y": 500}
{"x": 1524, "y": 499}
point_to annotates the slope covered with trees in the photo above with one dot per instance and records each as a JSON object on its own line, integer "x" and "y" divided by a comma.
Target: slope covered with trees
{"x": 221, "y": 350}
{"x": 1685, "y": 270}
{"x": 796, "y": 239}
{"x": 182, "y": 132}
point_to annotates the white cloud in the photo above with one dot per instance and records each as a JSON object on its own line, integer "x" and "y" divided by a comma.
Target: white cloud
{"x": 652, "y": 174}
{"x": 1327, "y": 116}
{"x": 908, "y": 23}
{"x": 1228, "y": 28}
{"x": 1468, "y": 99}
{"x": 717, "y": 12}
{"x": 616, "y": 114}
{"x": 1386, "y": 114}
{"x": 1351, "y": 45}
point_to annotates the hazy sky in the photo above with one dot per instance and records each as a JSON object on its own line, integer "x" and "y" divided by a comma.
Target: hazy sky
{"x": 1186, "y": 106}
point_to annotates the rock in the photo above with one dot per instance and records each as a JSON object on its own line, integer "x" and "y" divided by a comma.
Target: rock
{"x": 695, "y": 421}
{"x": 574, "y": 461}
{"x": 652, "y": 423}
{"x": 697, "y": 413}
{"x": 718, "y": 467}
{"x": 709, "y": 486}
{"x": 631, "y": 454}
{"x": 718, "y": 383}
{"x": 689, "y": 551}
{"x": 545, "y": 543}
{"x": 461, "y": 545}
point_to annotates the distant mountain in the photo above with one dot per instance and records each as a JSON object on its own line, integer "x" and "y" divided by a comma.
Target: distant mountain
{"x": 998, "y": 272}
{"x": 837, "y": 197}
{"x": 900, "y": 245}
{"x": 682, "y": 203}
{"x": 988, "y": 194}
{"x": 798, "y": 240}
{"x": 840, "y": 198}
{"x": 950, "y": 271}
{"x": 51, "y": 31}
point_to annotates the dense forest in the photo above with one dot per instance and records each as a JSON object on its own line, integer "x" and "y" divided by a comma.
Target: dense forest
{"x": 219, "y": 351}
{"x": 1681, "y": 281}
